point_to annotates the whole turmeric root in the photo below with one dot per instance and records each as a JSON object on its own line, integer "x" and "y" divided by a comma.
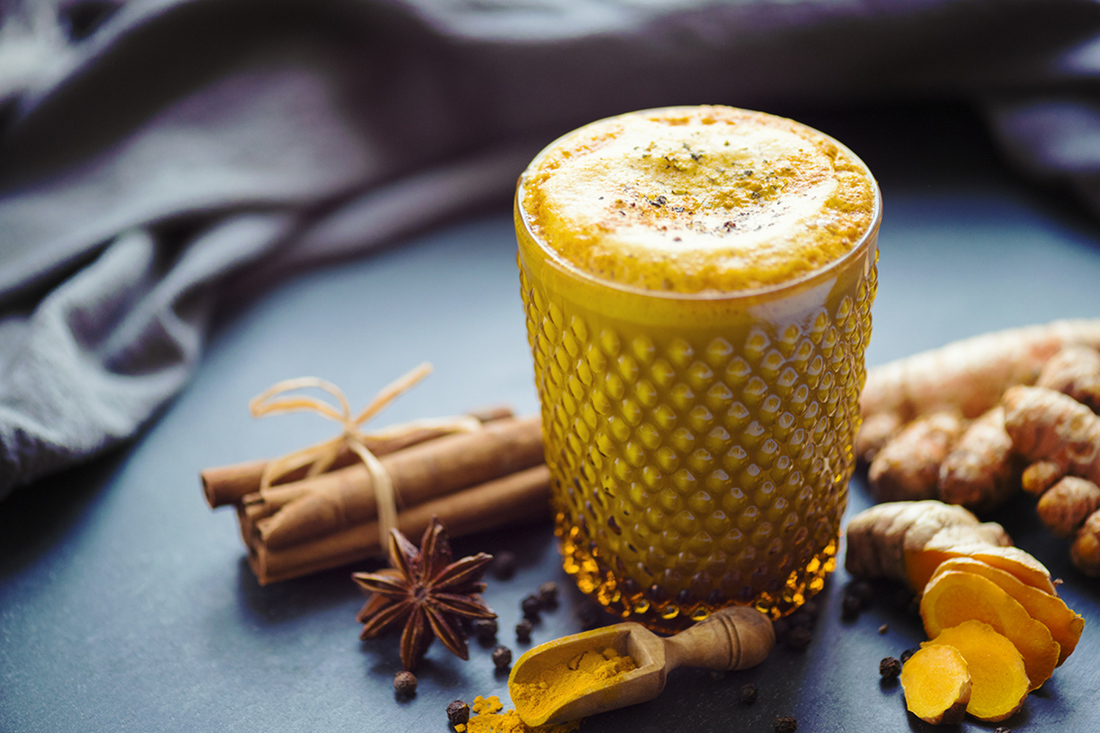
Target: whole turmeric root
{"x": 981, "y": 471}
{"x": 1061, "y": 437}
{"x": 970, "y": 375}
{"x": 908, "y": 466}
{"x": 907, "y": 540}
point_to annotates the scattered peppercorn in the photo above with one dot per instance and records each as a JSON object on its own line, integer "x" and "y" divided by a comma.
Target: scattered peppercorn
{"x": 884, "y": 628}
{"x": 589, "y": 616}
{"x": 889, "y": 668}
{"x": 862, "y": 590}
{"x": 405, "y": 683}
{"x": 908, "y": 653}
{"x": 548, "y": 594}
{"x": 458, "y": 713}
{"x": 1002, "y": 729}
{"x": 850, "y": 608}
{"x": 801, "y": 620}
{"x": 747, "y": 695}
{"x": 782, "y": 627}
{"x": 523, "y": 631}
{"x": 504, "y": 565}
{"x": 531, "y": 607}
{"x": 785, "y": 724}
{"x": 486, "y": 630}
{"x": 502, "y": 657}
{"x": 798, "y": 638}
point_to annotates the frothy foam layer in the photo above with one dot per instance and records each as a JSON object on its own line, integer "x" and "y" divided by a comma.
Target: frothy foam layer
{"x": 698, "y": 199}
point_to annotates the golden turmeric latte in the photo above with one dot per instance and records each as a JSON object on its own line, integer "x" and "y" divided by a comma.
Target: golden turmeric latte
{"x": 698, "y": 199}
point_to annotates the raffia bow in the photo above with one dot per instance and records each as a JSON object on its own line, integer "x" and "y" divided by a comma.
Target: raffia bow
{"x": 320, "y": 457}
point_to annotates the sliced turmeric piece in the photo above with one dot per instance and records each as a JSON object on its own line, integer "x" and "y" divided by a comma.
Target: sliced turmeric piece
{"x": 920, "y": 564}
{"x": 1064, "y": 625}
{"x": 998, "y": 677}
{"x": 937, "y": 685}
{"x": 954, "y": 597}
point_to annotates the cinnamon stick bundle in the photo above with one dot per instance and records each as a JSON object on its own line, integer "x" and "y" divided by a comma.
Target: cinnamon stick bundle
{"x": 340, "y": 499}
{"x": 523, "y": 496}
{"x": 472, "y": 481}
{"x": 225, "y": 485}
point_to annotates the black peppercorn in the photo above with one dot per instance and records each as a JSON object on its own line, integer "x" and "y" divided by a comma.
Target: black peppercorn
{"x": 1002, "y": 729}
{"x": 548, "y": 594}
{"x": 405, "y": 683}
{"x": 862, "y": 590}
{"x": 486, "y": 629}
{"x": 502, "y": 657}
{"x": 798, "y": 638}
{"x": 884, "y": 628}
{"x": 785, "y": 724}
{"x": 458, "y": 713}
{"x": 908, "y": 653}
{"x": 850, "y": 608}
{"x": 889, "y": 668}
{"x": 781, "y": 627}
{"x": 589, "y": 616}
{"x": 747, "y": 695}
{"x": 523, "y": 631}
{"x": 531, "y": 607}
{"x": 504, "y": 565}
{"x": 801, "y": 620}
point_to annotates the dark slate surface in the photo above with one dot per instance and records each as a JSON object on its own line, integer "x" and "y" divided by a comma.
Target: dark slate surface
{"x": 126, "y": 604}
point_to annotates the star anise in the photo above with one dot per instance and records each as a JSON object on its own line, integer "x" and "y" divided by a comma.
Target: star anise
{"x": 427, "y": 591}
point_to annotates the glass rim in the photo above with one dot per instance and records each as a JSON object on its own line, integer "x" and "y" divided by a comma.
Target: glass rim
{"x": 810, "y": 277}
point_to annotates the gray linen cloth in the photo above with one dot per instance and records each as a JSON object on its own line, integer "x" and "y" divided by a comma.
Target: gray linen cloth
{"x": 159, "y": 157}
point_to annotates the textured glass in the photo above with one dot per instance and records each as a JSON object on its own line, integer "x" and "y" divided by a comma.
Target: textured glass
{"x": 700, "y": 447}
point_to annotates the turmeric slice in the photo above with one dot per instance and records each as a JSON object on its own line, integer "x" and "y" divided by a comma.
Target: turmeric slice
{"x": 936, "y": 681}
{"x": 907, "y": 540}
{"x": 998, "y": 678}
{"x": 921, "y": 564}
{"x": 954, "y": 597}
{"x": 1065, "y": 626}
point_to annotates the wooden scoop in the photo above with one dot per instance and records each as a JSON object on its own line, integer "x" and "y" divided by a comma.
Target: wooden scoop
{"x": 732, "y": 638}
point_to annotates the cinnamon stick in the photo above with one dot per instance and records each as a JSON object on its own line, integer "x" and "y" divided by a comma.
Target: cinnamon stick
{"x": 223, "y": 485}
{"x": 331, "y": 502}
{"x": 521, "y": 496}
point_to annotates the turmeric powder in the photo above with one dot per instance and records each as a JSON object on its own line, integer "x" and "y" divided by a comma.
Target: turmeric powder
{"x": 557, "y": 685}
{"x": 488, "y": 718}
{"x": 549, "y": 689}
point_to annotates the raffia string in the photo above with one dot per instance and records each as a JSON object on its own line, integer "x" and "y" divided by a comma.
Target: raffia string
{"x": 320, "y": 457}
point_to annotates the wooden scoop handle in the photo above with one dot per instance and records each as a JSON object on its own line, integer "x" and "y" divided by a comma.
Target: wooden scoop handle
{"x": 736, "y": 637}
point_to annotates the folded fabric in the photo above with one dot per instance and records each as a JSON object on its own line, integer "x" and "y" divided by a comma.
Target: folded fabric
{"x": 153, "y": 152}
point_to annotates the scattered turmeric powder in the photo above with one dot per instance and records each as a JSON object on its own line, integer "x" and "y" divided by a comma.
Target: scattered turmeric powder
{"x": 488, "y": 718}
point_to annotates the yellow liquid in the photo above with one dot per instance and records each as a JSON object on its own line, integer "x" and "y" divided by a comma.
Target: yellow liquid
{"x": 698, "y": 420}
